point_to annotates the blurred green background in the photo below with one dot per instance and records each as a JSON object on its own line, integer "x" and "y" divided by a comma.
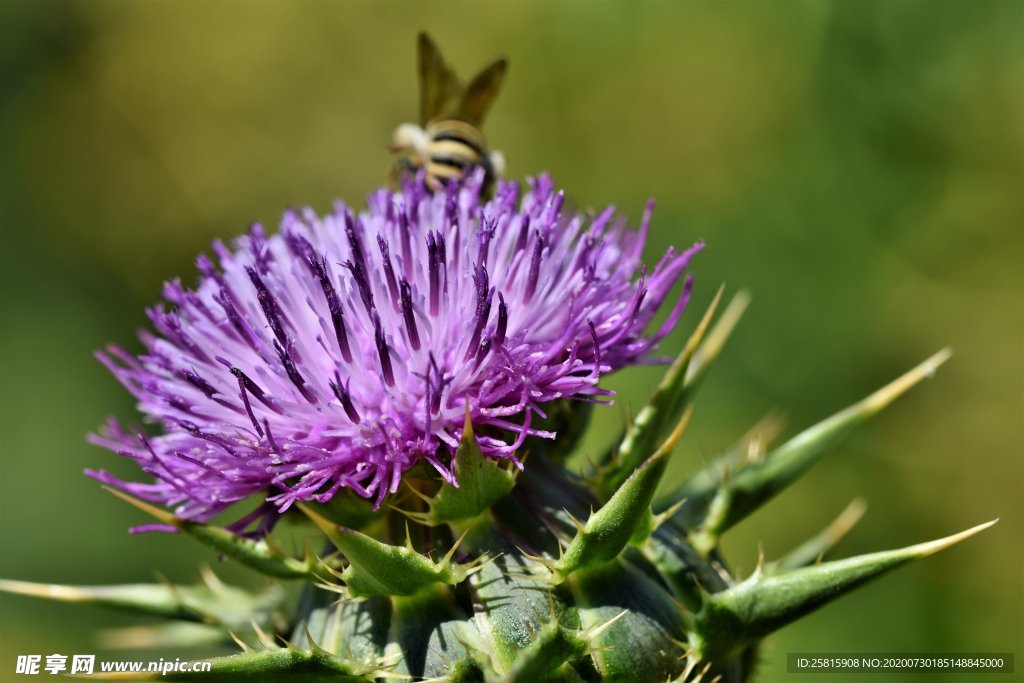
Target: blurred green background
{"x": 858, "y": 165}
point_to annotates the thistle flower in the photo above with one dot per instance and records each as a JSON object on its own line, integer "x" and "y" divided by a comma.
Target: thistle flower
{"x": 344, "y": 350}
{"x": 349, "y": 352}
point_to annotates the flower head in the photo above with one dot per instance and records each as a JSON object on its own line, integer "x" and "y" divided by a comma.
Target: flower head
{"x": 343, "y": 350}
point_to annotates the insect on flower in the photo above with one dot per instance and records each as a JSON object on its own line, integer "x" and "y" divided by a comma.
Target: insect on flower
{"x": 448, "y": 142}
{"x": 433, "y": 339}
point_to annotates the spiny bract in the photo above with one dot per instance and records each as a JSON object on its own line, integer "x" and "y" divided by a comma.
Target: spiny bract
{"x": 319, "y": 373}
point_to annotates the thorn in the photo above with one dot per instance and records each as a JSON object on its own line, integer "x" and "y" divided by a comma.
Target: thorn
{"x": 684, "y": 648}
{"x": 530, "y": 629}
{"x": 751, "y": 609}
{"x": 288, "y": 645}
{"x": 887, "y": 394}
{"x": 330, "y": 570}
{"x": 476, "y": 565}
{"x": 442, "y": 656}
{"x": 580, "y": 526}
{"x": 814, "y": 550}
{"x": 702, "y": 327}
{"x": 211, "y": 580}
{"x": 307, "y": 552}
{"x": 525, "y": 576}
{"x": 764, "y": 432}
{"x": 932, "y": 547}
{"x": 418, "y": 517}
{"x": 669, "y": 513}
{"x": 151, "y": 510}
{"x": 551, "y": 606}
{"x": 333, "y": 588}
{"x": 670, "y": 443}
{"x": 451, "y": 553}
{"x": 847, "y": 519}
{"x": 534, "y": 558}
{"x": 239, "y": 642}
{"x": 598, "y": 630}
{"x": 273, "y": 545}
{"x": 422, "y": 496}
{"x": 321, "y": 521}
{"x": 312, "y": 643}
{"x": 266, "y": 641}
{"x": 719, "y": 334}
{"x": 467, "y": 424}
{"x": 171, "y": 588}
{"x": 43, "y": 590}
{"x": 408, "y": 538}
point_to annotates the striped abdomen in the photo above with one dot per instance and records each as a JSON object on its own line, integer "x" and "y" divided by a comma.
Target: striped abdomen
{"x": 455, "y": 147}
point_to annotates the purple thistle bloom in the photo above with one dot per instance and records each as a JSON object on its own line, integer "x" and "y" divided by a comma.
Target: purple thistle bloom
{"x": 343, "y": 350}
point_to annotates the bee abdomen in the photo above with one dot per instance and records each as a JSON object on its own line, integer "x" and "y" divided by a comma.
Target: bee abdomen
{"x": 452, "y": 153}
{"x": 455, "y": 147}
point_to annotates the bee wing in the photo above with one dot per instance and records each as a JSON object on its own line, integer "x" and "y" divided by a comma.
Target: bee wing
{"x": 481, "y": 92}
{"x": 438, "y": 84}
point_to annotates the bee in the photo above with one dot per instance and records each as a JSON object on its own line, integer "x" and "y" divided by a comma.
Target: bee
{"x": 448, "y": 142}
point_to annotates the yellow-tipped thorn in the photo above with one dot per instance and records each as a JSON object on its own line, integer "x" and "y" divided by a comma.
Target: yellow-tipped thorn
{"x": 672, "y": 441}
{"x": 422, "y": 496}
{"x": 209, "y": 579}
{"x": 239, "y": 642}
{"x": 525, "y": 576}
{"x": 467, "y": 424}
{"x": 535, "y": 558}
{"x": 593, "y": 633}
{"x": 754, "y": 444}
{"x": 418, "y": 517}
{"x": 887, "y": 394}
{"x": 702, "y": 327}
{"x": 265, "y": 640}
{"x": 330, "y": 569}
{"x": 288, "y": 645}
{"x": 408, "y": 538}
{"x": 451, "y": 553}
{"x": 151, "y": 510}
{"x": 333, "y": 588}
{"x": 476, "y": 565}
{"x": 313, "y": 646}
{"x": 52, "y": 591}
{"x": 759, "y": 567}
{"x": 669, "y": 513}
{"x": 847, "y": 519}
{"x": 580, "y": 526}
{"x": 719, "y": 334}
{"x": 325, "y": 525}
{"x": 932, "y": 547}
